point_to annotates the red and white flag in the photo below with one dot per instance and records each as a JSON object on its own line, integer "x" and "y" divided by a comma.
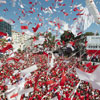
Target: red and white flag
{"x": 92, "y": 78}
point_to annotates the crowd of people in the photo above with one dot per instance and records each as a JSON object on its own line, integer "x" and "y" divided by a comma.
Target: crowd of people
{"x": 56, "y": 83}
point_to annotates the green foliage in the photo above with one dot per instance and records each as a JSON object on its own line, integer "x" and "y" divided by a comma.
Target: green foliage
{"x": 19, "y": 50}
{"x": 97, "y": 34}
{"x": 50, "y": 40}
{"x": 1, "y": 55}
{"x": 3, "y": 42}
{"x": 67, "y": 36}
{"x": 89, "y": 34}
{"x": 78, "y": 37}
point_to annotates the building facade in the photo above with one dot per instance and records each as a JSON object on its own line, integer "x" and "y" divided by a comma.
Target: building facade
{"x": 20, "y": 41}
{"x": 5, "y": 26}
{"x": 93, "y": 45}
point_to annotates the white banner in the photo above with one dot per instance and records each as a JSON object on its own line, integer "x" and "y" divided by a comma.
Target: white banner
{"x": 29, "y": 70}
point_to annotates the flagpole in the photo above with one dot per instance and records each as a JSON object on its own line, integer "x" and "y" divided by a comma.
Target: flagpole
{"x": 48, "y": 59}
{"x": 60, "y": 80}
{"x": 74, "y": 91}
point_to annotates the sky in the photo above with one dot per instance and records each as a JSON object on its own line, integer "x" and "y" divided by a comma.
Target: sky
{"x": 33, "y": 12}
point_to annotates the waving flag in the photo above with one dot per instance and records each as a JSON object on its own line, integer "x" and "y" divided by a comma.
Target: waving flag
{"x": 28, "y": 70}
{"x": 52, "y": 61}
{"x": 6, "y": 48}
{"x": 3, "y": 34}
{"x": 24, "y": 27}
{"x": 88, "y": 64}
{"x": 1, "y": 20}
{"x": 92, "y": 78}
{"x": 83, "y": 22}
{"x": 36, "y": 28}
{"x": 93, "y": 10}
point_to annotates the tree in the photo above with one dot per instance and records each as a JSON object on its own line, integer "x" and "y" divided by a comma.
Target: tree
{"x": 19, "y": 50}
{"x": 49, "y": 41}
{"x": 67, "y": 36}
{"x": 3, "y": 42}
{"x": 97, "y": 34}
{"x": 89, "y": 34}
{"x": 79, "y": 37}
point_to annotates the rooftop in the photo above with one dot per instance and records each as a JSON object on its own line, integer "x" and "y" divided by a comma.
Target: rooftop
{"x": 7, "y": 21}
